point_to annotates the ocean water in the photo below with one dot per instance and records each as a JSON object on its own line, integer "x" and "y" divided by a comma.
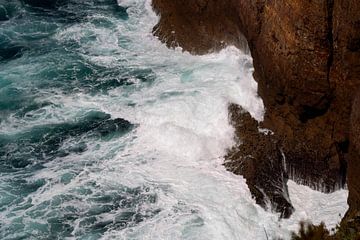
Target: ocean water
{"x": 107, "y": 134}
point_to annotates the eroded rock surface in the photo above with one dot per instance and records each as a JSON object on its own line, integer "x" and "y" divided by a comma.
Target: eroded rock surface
{"x": 307, "y": 65}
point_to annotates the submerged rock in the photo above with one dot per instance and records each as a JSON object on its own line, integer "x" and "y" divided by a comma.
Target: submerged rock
{"x": 307, "y": 65}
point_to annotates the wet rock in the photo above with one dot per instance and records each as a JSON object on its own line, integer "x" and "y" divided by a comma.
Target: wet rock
{"x": 259, "y": 158}
{"x": 307, "y": 64}
{"x": 197, "y": 27}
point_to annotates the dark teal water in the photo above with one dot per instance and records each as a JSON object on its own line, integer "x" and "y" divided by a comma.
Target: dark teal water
{"x": 36, "y": 71}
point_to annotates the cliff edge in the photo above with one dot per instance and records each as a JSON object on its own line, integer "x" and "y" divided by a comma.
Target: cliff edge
{"x": 307, "y": 64}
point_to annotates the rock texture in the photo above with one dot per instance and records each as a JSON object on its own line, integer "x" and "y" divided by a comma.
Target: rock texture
{"x": 259, "y": 158}
{"x": 307, "y": 65}
{"x": 354, "y": 163}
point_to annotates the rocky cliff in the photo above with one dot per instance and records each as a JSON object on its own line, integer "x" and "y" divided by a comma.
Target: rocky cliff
{"x": 307, "y": 65}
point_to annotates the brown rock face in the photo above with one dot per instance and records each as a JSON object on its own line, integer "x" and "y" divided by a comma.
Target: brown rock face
{"x": 354, "y": 163}
{"x": 195, "y": 26}
{"x": 307, "y": 65}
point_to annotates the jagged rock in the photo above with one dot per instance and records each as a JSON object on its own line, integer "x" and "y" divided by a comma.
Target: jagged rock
{"x": 307, "y": 64}
{"x": 259, "y": 158}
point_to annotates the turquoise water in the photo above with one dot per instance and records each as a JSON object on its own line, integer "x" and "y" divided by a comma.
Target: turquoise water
{"x": 107, "y": 134}
{"x": 36, "y": 69}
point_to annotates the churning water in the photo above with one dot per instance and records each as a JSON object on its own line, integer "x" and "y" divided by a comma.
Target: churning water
{"x": 107, "y": 134}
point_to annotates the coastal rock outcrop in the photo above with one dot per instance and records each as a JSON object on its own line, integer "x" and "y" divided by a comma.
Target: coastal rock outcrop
{"x": 306, "y": 56}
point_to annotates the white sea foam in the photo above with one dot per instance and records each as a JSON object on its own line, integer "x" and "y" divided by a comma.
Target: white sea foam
{"x": 183, "y": 134}
{"x": 126, "y": 3}
{"x": 179, "y": 144}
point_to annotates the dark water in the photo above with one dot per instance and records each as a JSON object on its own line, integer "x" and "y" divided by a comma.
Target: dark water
{"x": 43, "y": 146}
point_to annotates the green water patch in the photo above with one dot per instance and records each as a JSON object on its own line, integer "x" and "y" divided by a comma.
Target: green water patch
{"x": 73, "y": 214}
{"x": 12, "y": 192}
{"x": 33, "y": 22}
{"x": 30, "y": 108}
{"x": 20, "y": 102}
{"x": 127, "y": 78}
{"x": 44, "y": 143}
{"x": 79, "y": 75}
{"x": 9, "y": 9}
{"x": 67, "y": 11}
{"x": 12, "y": 98}
{"x": 67, "y": 74}
{"x": 42, "y": 62}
